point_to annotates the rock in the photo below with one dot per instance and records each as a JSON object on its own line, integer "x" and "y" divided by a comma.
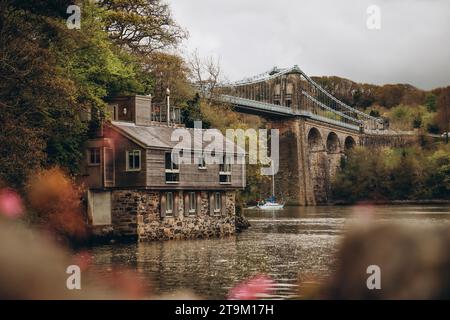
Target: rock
{"x": 241, "y": 223}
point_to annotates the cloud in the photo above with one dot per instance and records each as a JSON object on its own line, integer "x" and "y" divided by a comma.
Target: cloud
{"x": 324, "y": 37}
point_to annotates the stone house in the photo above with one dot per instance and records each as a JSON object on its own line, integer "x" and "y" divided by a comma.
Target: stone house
{"x": 136, "y": 190}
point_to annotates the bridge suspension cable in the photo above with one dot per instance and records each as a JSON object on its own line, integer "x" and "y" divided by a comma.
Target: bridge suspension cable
{"x": 315, "y": 98}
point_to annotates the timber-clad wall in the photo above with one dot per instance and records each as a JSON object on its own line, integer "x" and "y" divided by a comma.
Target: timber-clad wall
{"x": 124, "y": 178}
{"x": 152, "y": 173}
{"x": 190, "y": 175}
{"x": 143, "y": 111}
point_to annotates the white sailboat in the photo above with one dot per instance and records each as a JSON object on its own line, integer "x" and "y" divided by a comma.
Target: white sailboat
{"x": 271, "y": 203}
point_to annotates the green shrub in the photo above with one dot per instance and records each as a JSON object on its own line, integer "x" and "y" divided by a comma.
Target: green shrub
{"x": 393, "y": 174}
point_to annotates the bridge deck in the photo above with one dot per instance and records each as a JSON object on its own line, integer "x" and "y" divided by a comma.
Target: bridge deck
{"x": 273, "y": 109}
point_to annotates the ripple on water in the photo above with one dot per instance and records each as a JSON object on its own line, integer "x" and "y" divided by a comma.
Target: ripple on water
{"x": 293, "y": 244}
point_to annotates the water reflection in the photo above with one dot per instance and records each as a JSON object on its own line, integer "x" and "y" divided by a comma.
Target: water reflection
{"x": 288, "y": 245}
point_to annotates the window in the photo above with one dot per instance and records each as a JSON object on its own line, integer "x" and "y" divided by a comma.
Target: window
{"x": 94, "y": 156}
{"x": 134, "y": 160}
{"x": 172, "y": 169}
{"x": 202, "y": 162}
{"x": 169, "y": 203}
{"x": 225, "y": 170}
{"x": 290, "y": 88}
{"x": 217, "y": 202}
{"x": 192, "y": 202}
{"x": 277, "y": 89}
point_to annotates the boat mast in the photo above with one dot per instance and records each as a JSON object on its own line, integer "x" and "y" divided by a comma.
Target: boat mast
{"x": 273, "y": 181}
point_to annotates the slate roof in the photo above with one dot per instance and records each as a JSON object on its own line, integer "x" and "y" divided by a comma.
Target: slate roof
{"x": 155, "y": 136}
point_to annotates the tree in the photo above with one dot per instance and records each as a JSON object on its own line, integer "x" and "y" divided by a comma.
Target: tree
{"x": 206, "y": 73}
{"x": 431, "y": 102}
{"x": 443, "y": 114}
{"x": 169, "y": 71}
{"x": 33, "y": 96}
{"x": 48, "y": 76}
{"x": 54, "y": 201}
{"x": 142, "y": 26}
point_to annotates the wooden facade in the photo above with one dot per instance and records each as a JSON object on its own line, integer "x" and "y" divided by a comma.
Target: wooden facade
{"x": 134, "y": 131}
{"x": 152, "y": 172}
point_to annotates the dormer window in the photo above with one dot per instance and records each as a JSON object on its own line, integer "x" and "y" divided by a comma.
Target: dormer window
{"x": 133, "y": 160}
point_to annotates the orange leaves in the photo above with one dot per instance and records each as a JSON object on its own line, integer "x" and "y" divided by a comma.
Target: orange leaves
{"x": 56, "y": 202}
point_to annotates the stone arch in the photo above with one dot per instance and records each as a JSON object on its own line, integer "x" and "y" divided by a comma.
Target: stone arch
{"x": 318, "y": 165}
{"x": 315, "y": 140}
{"x": 333, "y": 154}
{"x": 333, "y": 144}
{"x": 349, "y": 144}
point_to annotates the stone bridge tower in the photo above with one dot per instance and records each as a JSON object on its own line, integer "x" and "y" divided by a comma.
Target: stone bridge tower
{"x": 310, "y": 155}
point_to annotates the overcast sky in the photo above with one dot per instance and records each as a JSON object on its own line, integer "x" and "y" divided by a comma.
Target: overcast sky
{"x": 324, "y": 37}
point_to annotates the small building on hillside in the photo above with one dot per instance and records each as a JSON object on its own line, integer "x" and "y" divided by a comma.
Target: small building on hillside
{"x": 135, "y": 188}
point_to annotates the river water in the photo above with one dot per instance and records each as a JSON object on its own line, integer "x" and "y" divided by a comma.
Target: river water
{"x": 297, "y": 243}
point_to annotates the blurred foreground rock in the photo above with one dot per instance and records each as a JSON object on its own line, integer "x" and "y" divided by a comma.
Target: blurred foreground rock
{"x": 414, "y": 262}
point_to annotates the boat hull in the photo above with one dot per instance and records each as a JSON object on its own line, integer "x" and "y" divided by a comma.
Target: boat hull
{"x": 271, "y": 207}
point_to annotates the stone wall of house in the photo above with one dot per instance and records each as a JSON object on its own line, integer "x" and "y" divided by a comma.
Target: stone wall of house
{"x": 136, "y": 214}
{"x": 124, "y": 212}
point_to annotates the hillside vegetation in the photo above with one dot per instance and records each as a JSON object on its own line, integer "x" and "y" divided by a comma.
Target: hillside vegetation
{"x": 406, "y": 106}
{"x": 413, "y": 173}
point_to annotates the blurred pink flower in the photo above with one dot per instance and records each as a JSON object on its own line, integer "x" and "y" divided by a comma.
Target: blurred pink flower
{"x": 251, "y": 289}
{"x": 10, "y": 203}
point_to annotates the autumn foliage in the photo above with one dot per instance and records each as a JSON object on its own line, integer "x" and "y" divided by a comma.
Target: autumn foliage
{"x": 55, "y": 203}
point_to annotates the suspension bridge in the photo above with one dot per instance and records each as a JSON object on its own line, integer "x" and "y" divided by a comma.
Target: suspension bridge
{"x": 291, "y": 92}
{"x": 316, "y": 129}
